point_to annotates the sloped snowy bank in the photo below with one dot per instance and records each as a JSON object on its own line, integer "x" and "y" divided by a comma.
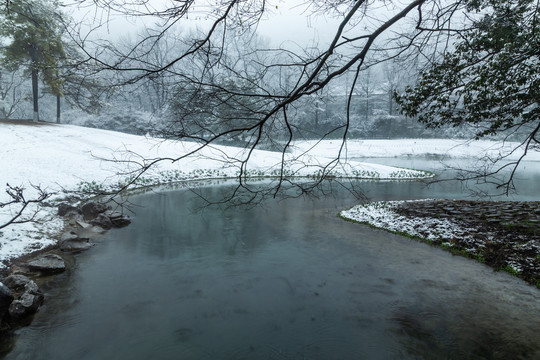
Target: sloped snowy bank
{"x": 63, "y": 158}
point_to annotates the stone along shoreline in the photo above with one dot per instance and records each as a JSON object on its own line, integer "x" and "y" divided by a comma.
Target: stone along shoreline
{"x": 20, "y": 294}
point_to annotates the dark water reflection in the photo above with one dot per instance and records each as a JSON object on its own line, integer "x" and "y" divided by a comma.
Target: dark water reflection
{"x": 285, "y": 280}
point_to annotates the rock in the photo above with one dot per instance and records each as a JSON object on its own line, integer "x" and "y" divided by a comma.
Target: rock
{"x": 83, "y": 224}
{"x": 118, "y": 219}
{"x": 6, "y": 297}
{"x": 102, "y": 221}
{"x": 67, "y": 209}
{"x": 26, "y": 305}
{"x": 16, "y": 282}
{"x": 92, "y": 209}
{"x": 76, "y": 244}
{"x": 32, "y": 288}
{"x": 48, "y": 264}
{"x": 96, "y": 229}
{"x": 70, "y": 235}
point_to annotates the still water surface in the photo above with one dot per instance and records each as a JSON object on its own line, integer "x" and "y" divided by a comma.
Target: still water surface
{"x": 284, "y": 280}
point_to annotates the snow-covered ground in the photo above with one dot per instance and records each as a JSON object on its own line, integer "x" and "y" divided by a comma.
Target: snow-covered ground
{"x": 472, "y": 237}
{"x": 382, "y": 215}
{"x": 65, "y": 158}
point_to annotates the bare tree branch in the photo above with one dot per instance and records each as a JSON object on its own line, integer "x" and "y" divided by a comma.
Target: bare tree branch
{"x": 18, "y": 199}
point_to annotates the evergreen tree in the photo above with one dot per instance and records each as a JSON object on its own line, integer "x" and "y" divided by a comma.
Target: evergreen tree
{"x": 492, "y": 78}
{"x": 33, "y": 29}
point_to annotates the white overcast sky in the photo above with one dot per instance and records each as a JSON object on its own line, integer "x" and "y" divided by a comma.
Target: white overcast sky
{"x": 289, "y": 22}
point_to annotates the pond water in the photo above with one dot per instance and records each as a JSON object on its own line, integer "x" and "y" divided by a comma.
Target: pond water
{"x": 283, "y": 280}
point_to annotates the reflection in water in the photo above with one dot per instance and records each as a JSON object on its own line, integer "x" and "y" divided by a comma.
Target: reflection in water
{"x": 284, "y": 280}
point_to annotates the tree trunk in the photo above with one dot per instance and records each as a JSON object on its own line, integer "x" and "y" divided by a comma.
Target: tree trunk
{"x": 58, "y": 109}
{"x": 368, "y": 92}
{"x": 391, "y": 101}
{"x": 34, "y": 84}
{"x": 35, "y": 94}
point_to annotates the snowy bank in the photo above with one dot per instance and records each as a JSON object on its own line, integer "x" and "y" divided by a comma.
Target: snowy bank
{"x": 64, "y": 158}
{"x": 502, "y": 234}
